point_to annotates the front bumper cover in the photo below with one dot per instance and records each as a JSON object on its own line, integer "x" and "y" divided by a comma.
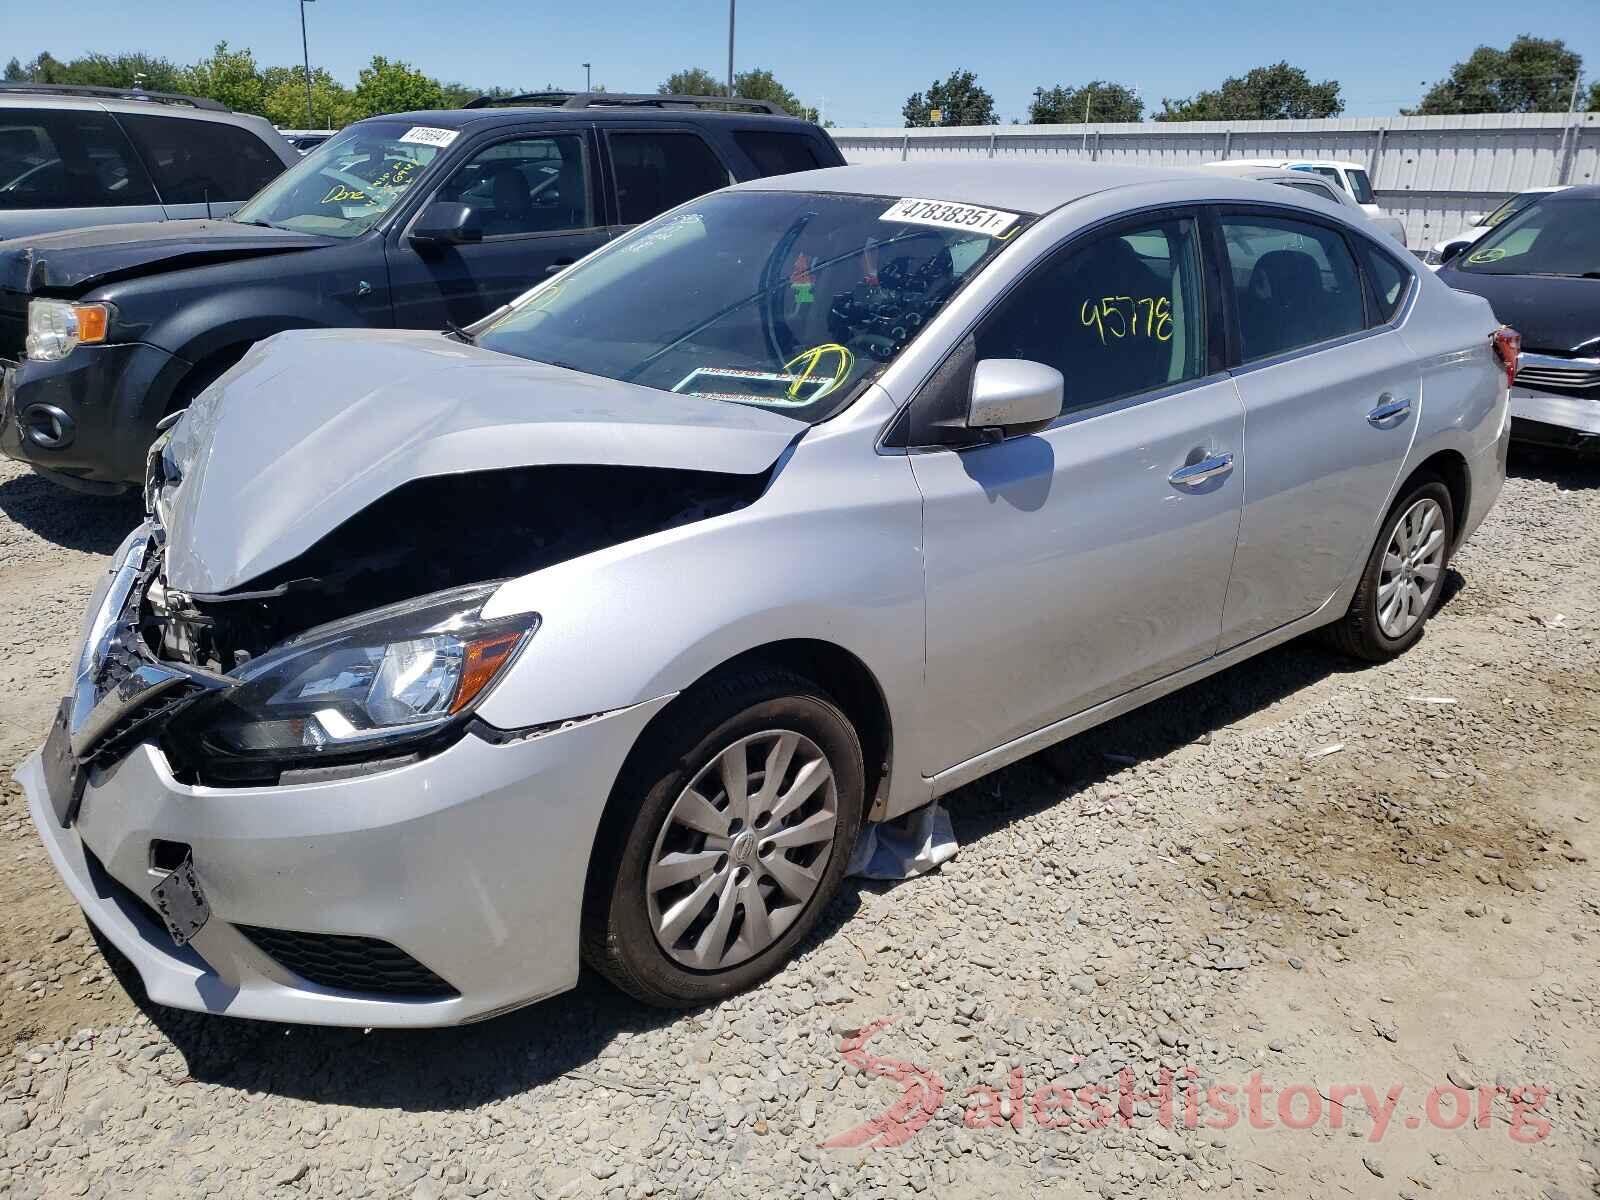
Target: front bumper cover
{"x": 1553, "y": 419}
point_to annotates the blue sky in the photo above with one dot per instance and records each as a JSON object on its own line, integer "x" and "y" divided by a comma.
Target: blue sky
{"x": 859, "y": 60}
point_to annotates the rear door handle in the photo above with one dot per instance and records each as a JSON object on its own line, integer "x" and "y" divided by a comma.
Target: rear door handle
{"x": 1388, "y": 409}
{"x": 1199, "y": 472}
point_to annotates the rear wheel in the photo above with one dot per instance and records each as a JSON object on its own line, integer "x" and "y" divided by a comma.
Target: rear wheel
{"x": 752, "y": 794}
{"x": 1404, "y": 576}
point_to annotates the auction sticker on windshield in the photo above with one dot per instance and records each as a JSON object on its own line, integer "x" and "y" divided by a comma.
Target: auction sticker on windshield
{"x": 944, "y": 215}
{"x": 424, "y": 135}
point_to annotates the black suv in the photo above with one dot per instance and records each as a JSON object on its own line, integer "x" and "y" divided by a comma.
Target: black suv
{"x": 423, "y": 220}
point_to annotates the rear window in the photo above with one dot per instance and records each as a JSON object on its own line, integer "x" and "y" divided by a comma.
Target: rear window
{"x": 59, "y": 158}
{"x": 1361, "y": 187}
{"x": 778, "y": 153}
{"x": 196, "y": 161}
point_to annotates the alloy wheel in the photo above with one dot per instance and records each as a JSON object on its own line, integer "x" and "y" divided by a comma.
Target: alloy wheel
{"x": 1412, "y": 564}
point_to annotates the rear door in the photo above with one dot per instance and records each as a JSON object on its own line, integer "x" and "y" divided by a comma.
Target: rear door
{"x": 65, "y": 168}
{"x": 1331, "y": 393}
{"x": 659, "y": 166}
{"x": 534, "y": 192}
{"x": 201, "y": 167}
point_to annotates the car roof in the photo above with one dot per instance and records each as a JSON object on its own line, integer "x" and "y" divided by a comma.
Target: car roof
{"x": 464, "y": 118}
{"x": 1286, "y": 159}
{"x": 10, "y": 101}
{"x": 1247, "y": 170}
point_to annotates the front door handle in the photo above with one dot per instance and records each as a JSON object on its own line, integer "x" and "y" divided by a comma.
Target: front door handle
{"x": 1388, "y": 409}
{"x": 561, "y": 264}
{"x": 1199, "y": 472}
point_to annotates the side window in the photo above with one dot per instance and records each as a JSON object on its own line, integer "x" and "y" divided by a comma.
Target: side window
{"x": 1389, "y": 283}
{"x": 778, "y": 153}
{"x": 658, "y": 171}
{"x": 60, "y": 158}
{"x": 530, "y": 185}
{"x": 1361, "y": 187}
{"x": 195, "y": 160}
{"x": 1296, "y": 284}
{"x": 1118, "y": 314}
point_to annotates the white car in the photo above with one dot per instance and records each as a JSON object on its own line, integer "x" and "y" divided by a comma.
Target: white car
{"x": 1350, "y": 177}
{"x": 1447, "y": 248}
{"x": 1312, "y": 185}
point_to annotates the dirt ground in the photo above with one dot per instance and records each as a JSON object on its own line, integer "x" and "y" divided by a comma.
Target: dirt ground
{"x": 1368, "y": 890}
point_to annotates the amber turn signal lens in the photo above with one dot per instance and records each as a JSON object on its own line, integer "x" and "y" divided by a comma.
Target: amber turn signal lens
{"x": 484, "y": 658}
{"x": 92, "y": 322}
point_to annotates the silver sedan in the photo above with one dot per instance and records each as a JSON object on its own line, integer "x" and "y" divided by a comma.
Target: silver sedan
{"x": 597, "y": 630}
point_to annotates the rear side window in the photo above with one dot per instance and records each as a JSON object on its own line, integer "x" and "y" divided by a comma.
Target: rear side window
{"x": 658, "y": 171}
{"x": 1118, "y": 314}
{"x": 1389, "y": 283}
{"x": 1295, "y": 284}
{"x": 778, "y": 153}
{"x": 61, "y": 158}
{"x": 196, "y": 161}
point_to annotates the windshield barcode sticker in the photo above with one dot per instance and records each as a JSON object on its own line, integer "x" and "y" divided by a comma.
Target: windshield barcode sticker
{"x": 424, "y": 135}
{"x": 944, "y": 215}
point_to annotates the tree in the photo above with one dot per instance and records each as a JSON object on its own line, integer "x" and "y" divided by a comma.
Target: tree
{"x": 229, "y": 77}
{"x": 1106, "y": 101}
{"x": 759, "y": 84}
{"x": 389, "y": 87}
{"x": 1530, "y": 75}
{"x": 691, "y": 81}
{"x": 958, "y": 98}
{"x": 1593, "y": 103}
{"x": 42, "y": 68}
{"x": 1276, "y": 93}
{"x": 126, "y": 70}
{"x": 332, "y": 105}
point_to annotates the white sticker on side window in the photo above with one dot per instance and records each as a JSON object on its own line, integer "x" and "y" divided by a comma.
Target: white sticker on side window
{"x": 424, "y": 135}
{"x": 942, "y": 214}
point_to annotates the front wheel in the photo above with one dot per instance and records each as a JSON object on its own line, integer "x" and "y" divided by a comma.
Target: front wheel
{"x": 752, "y": 794}
{"x": 1404, "y": 576}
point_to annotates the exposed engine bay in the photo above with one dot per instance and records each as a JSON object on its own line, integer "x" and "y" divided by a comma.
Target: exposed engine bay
{"x": 432, "y": 534}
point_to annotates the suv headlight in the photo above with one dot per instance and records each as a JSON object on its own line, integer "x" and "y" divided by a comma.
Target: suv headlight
{"x": 56, "y": 326}
{"x": 360, "y": 687}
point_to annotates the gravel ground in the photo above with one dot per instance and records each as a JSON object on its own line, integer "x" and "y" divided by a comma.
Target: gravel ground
{"x": 1300, "y": 873}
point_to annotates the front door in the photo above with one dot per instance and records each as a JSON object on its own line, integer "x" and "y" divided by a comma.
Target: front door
{"x": 1067, "y": 567}
{"x": 1331, "y": 394}
{"x": 534, "y": 196}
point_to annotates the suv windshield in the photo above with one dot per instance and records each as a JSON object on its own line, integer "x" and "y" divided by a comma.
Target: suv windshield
{"x": 1553, "y": 236}
{"x": 345, "y": 185}
{"x": 1361, "y": 187}
{"x": 787, "y": 300}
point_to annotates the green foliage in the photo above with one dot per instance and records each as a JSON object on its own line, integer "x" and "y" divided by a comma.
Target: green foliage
{"x": 760, "y": 84}
{"x": 332, "y": 105}
{"x": 692, "y": 81}
{"x": 958, "y": 98}
{"x": 1593, "y": 103}
{"x": 1275, "y": 93}
{"x": 1530, "y": 75}
{"x": 1106, "y": 101}
{"x": 390, "y": 87}
{"x": 229, "y": 77}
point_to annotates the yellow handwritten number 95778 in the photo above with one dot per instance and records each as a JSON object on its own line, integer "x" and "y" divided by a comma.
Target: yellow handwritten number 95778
{"x": 1128, "y": 316}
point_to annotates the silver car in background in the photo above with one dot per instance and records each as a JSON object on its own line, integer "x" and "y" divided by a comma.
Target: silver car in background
{"x": 598, "y": 629}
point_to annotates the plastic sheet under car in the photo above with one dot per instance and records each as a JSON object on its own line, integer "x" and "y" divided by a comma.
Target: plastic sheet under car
{"x": 909, "y": 845}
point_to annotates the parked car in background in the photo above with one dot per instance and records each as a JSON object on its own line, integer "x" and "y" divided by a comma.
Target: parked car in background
{"x": 1540, "y": 269}
{"x": 76, "y": 156}
{"x": 1311, "y": 184}
{"x": 1447, "y": 248}
{"x": 600, "y": 627}
{"x": 1349, "y": 177}
{"x": 418, "y": 220}
{"x": 306, "y": 139}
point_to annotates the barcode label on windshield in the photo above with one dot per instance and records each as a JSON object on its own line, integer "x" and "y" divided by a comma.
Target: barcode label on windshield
{"x": 943, "y": 215}
{"x": 424, "y": 135}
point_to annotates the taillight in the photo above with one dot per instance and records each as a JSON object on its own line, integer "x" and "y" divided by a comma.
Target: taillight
{"x": 1508, "y": 348}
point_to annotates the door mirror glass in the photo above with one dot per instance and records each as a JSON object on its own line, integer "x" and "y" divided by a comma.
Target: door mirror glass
{"x": 447, "y": 223}
{"x": 1014, "y": 394}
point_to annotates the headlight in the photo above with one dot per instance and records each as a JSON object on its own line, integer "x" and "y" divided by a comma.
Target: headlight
{"x": 56, "y": 326}
{"x": 359, "y": 687}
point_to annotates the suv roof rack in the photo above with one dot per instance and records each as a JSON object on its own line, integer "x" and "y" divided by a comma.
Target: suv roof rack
{"x": 111, "y": 93}
{"x": 628, "y": 100}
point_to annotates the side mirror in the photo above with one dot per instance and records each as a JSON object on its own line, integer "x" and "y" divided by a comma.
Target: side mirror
{"x": 1014, "y": 395}
{"x": 447, "y": 223}
{"x": 1451, "y": 250}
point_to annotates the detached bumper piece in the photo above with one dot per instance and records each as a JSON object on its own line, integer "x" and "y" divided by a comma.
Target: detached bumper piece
{"x": 349, "y": 964}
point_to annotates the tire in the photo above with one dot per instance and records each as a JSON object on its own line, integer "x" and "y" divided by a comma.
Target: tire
{"x": 1361, "y": 632}
{"x": 680, "y": 942}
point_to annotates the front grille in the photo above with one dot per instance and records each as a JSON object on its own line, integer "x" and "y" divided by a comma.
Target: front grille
{"x": 349, "y": 964}
{"x": 13, "y": 324}
{"x": 1551, "y": 371}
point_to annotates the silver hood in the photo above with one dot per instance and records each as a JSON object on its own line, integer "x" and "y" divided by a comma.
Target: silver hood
{"x": 314, "y": 426}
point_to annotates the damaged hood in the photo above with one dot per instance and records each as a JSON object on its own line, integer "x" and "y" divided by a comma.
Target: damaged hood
{"x": 314, "y": 426}
{"x": 77, "y": 259}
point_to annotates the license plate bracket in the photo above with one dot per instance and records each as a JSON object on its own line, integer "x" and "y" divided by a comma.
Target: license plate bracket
{"x": 63, "y": 774}
{"x": 182, "y": 905}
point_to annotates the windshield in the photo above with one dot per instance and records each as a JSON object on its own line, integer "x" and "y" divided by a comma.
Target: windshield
{"x": 1553, "y": 236}
{"x": 1514, "y": 205}
{"x": 1361, "y": 187}
{"x": 342, "y": 187}
{"x": 786, "y": 300}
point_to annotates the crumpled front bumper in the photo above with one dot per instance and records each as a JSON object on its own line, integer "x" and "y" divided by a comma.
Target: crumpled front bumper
{"x": 472, "y": 862}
